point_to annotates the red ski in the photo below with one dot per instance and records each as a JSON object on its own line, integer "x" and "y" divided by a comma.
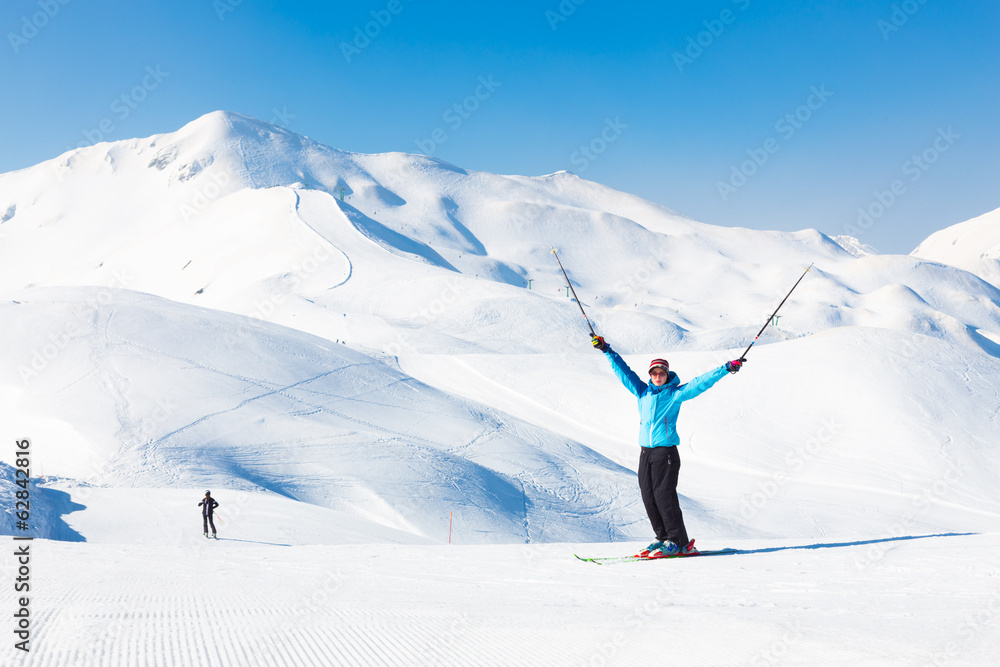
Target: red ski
{"x": 609, "y": 560}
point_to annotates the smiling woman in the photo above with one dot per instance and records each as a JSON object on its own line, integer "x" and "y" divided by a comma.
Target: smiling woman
{"x": 659, "y": 369}
{"x": 659, "y": 461}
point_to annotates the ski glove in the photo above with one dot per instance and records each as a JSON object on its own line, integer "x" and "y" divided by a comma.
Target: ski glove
{"x": 599, "y": 343}
{"x": 734, "y": 366}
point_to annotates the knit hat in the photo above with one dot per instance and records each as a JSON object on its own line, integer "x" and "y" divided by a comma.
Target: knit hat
{"x": 659, "y": 363}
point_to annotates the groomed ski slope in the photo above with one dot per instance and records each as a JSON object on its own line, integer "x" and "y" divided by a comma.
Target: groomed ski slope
{"x": 239, "y": 601}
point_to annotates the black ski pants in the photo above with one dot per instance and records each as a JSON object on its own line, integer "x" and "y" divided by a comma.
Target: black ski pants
{"x": 658, "y": 470}
{"x": 206, "y": 520}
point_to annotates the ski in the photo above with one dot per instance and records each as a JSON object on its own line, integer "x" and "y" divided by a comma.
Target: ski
{"x": 715, "y": 552}
{"x": 600, "y": 560}
{"x": 608, "y": 560}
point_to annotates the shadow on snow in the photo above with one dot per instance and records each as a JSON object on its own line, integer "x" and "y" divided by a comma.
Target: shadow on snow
{"x": 858, "y": 543}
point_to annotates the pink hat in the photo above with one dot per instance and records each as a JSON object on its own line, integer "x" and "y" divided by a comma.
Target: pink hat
{"x": 660, "y": 363}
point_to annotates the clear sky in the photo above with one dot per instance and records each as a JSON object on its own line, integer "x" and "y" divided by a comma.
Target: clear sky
{"x": 877, "y": 119}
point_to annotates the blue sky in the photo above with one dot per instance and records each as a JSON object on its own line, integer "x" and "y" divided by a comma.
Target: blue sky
{"x": 875, "y": 119}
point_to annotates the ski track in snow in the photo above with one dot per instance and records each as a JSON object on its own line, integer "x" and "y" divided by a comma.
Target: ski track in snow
{"x": 152, "y": 461}
{"x": 350, "y": 265}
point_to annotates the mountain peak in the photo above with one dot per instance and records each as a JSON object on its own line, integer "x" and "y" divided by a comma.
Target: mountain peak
{"x": 224, "y": 125}
{"x": 251, "y": 152}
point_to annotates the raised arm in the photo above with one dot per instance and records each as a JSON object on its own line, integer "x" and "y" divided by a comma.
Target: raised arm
{"x": 624, "y": 373}
{"x": 701, "y": 383}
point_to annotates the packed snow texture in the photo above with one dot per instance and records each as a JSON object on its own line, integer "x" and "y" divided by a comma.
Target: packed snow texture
{"x": 893, "y": 601}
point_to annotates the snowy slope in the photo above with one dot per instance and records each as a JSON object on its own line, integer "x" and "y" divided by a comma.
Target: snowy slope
{"x": 136, "y": 391}
{"x": 887, "y": 602}
{"x": 242, "y": 216}
{"x": 426, "y": 266}
{"x": 973, "y": 245}
{"x": 854, "y": 422}
{"x": 366, "y": 355}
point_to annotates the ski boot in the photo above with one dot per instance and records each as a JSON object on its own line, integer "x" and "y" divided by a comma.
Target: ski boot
{"x": 689, "y": 550}
{"x": 666, "y": 550}
{"x": 648, "y": 550}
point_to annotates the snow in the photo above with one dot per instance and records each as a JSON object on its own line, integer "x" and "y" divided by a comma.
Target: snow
{"x": 190, "y": 394}
{"x": 973, "y": 245}
{"x": 927, "y": 600}
{"x": 854, "y": 246}
{"x": 366, "y": 357}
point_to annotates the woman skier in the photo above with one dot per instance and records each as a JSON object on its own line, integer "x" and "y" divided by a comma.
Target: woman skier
{"x": 208, "y": 506}
{"x": 659, "y": 460}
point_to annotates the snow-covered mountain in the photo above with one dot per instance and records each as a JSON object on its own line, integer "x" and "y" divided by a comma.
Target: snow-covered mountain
{"x": 388, "y": 339}
{"x": 973, "y": 245}
{"x": 242, "y": 216}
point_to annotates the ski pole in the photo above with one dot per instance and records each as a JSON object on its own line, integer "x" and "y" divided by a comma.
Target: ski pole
{"x": 570, "y": 285}
{"x": 771, "y": 318}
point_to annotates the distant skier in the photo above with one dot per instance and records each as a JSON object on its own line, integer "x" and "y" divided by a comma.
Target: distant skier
{"x": 208, "y": 506}
{"x": 659, "y": 460}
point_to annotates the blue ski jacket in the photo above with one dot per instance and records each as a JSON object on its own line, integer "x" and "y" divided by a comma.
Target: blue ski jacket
{"x": 659, "y": 406}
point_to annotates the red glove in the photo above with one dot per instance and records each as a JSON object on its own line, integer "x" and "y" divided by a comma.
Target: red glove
{"x": 599, "y": 343}
{"x": 734, "y": 366}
